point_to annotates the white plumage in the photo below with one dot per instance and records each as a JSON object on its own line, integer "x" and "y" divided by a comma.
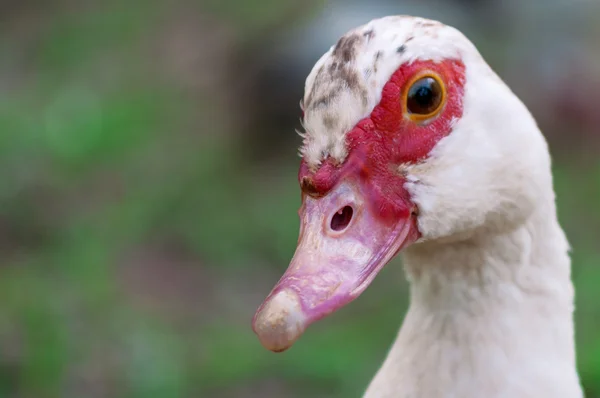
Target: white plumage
{"x": 491, "y": 300}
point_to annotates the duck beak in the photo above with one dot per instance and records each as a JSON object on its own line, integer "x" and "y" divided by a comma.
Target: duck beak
{"x": 344, "y": 242}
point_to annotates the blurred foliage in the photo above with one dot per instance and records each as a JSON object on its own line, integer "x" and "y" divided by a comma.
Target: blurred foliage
{"x": 136, "y": 241}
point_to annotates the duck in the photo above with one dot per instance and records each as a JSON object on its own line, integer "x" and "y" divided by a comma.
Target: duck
{"x": 414, "y": 147}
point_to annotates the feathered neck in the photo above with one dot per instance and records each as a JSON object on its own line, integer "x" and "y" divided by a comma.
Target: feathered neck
{"x": 490, "y": 317}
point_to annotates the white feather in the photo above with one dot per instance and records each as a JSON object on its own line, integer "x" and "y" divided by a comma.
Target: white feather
{"x": 491, "y": 296}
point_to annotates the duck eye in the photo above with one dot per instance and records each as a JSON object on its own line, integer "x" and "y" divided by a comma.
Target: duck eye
{"x": 424, "y": 98}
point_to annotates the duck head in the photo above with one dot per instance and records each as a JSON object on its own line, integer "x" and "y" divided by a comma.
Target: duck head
{"x": 409, "y": 137}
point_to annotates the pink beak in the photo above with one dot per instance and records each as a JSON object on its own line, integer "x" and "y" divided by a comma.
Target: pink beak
{"x": 344, "y": 242}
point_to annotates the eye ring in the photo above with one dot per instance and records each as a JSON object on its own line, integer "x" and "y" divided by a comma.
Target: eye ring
{"x": 424, "y": 96}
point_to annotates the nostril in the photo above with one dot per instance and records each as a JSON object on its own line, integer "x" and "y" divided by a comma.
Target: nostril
{"x": 341, "y": 218}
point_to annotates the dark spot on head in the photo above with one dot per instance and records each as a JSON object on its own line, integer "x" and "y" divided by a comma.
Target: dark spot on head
{"x": 319, "y": 76}
{"x": 401, "y": 49}
{"x": 322, "y": 101}
{"x": 350, "y": 78}
{"x": 408, "y": 39}
{"x": 429, "y": 24}
{"x": 330, "y": 121}
{"x": 307, "y": 185}
{"x": 364, "y": 96}
{"x": 337, "y": 75}
{"x": 326, "y": 99}
{"x": 401, "y": 169}
{"x": 376, "y": 59}
{"x": 345, "y": 49}
{"x": 335, "y": 78}
{"x": 320, "y": 71}
{"x": 369, "y": 34}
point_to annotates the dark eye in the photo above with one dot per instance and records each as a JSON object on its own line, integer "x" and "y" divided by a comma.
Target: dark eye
{"x": 425, "y": 97}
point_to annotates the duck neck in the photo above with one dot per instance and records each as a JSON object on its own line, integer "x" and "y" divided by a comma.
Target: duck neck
{"x": 490, "y": 316}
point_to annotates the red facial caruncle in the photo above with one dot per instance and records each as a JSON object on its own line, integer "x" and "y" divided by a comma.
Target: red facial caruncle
{"x": 356, "y": 214}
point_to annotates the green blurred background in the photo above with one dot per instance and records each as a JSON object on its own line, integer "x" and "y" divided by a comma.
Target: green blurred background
{"x": 148, "y": 189}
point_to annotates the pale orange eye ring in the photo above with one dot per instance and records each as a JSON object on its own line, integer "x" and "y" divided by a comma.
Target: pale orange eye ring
{"x": 424, "y": 96}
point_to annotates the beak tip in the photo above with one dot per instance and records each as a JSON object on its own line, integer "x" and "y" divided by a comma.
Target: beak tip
{"x": 280, "y": 321}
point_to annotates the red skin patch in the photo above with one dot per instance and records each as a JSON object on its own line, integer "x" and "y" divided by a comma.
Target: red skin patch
{"x": 387, "y": 138}
{"x": 325, "y": 272}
